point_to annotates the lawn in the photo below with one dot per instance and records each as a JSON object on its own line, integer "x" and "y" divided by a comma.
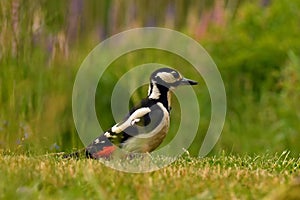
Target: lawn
{"x": 216, "y": 177}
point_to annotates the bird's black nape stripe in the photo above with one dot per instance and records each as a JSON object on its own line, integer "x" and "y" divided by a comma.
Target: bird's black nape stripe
{"x": 151, "y": 89}
{"x": 163, "y": 98}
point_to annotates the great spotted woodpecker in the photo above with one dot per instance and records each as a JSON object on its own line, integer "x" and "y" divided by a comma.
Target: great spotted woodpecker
{"x": 146, "y": 125}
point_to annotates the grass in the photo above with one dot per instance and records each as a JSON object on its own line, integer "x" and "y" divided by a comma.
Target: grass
{"x": 216, "y": 177}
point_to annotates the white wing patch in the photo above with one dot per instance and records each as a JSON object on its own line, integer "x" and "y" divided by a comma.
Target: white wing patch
{"x": 132, "y": 119}
{"x": 135, "y": 121}
{"x": 108, "y": 135}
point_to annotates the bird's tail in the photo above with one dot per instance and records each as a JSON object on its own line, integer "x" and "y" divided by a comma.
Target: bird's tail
{"x": 82, "y": 153}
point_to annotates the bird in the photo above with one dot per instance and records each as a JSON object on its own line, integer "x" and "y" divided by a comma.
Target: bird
{"x": 146, "y": 125}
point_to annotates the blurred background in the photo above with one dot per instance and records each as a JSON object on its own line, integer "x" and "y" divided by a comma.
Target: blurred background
{"x": 255, "y": 45}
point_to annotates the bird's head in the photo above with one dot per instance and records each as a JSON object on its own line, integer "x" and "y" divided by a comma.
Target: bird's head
{"x": 170, "y": 78}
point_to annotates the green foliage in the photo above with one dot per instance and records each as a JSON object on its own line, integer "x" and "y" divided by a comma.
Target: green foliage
{"x": 257, "y": 52}
{"x": 253, "y": 48}
{"x": 258, "y": 55}
{"x": 55, "y": 14}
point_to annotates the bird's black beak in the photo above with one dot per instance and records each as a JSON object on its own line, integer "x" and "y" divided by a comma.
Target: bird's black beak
{"x": 186, "y": 81}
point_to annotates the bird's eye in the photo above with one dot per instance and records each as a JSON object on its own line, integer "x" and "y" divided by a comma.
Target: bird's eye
{"x": 175, "y": 74}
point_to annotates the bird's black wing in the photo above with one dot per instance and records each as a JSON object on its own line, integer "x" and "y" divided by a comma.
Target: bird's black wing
{"x": 140, "y": 120}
